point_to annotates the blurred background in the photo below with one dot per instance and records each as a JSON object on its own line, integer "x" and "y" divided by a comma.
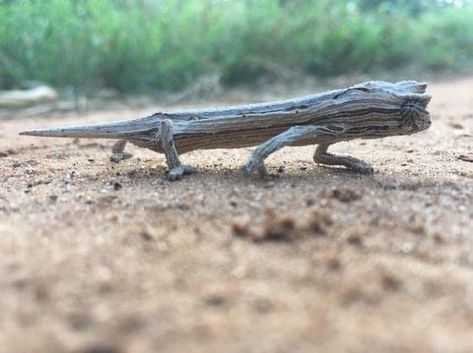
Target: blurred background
{"x": 134, "y": 46}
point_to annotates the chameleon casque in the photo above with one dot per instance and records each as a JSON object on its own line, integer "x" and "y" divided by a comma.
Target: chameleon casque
{"x": 372, "y": 109}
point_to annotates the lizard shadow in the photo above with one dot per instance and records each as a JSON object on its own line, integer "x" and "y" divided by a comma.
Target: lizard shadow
{"x": 233, "y": 176}
{"x": 316, "y": 177}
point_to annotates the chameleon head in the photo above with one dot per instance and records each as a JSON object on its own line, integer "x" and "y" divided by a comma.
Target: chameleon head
{"x": 414, "y": 117}
{"x": 405, "y": 117}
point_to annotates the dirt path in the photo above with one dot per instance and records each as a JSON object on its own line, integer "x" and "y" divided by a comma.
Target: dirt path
{"x": 99, "y": 258}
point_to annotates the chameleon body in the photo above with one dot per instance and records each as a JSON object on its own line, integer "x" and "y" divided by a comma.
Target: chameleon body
{"x": 372, "y": 109}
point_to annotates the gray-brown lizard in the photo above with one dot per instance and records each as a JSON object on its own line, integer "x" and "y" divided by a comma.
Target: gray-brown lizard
{"x": 368, "y": 110}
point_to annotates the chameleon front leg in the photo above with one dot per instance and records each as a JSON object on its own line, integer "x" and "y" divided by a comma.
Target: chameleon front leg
{"x": 321, "y": 156}
{"x": 288, "y": 137}
{"x": 118, "y": 152}
{"x": 176, "y": 168}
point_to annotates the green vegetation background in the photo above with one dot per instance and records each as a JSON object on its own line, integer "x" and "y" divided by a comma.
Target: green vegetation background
{"x": 165, "y": 44}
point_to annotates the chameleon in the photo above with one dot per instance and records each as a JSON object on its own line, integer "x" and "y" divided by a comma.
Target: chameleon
{"x": 373, "y": 109}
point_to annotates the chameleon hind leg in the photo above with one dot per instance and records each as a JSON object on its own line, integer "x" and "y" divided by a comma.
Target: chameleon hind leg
{"x": 118, "y": 152}
{"x": 321, "y": 156}
{"x": 286, "y": 138}
{"x": 176, "y": 168}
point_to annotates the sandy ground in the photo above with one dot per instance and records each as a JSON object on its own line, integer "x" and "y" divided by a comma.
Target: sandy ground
{"x": 102, "y": 258}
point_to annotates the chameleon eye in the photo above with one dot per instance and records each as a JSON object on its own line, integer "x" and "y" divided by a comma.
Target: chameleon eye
{"x": 411, "y": 115}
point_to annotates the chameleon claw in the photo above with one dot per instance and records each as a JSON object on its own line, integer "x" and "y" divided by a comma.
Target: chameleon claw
{"x": 364, "y": 169}
{"x": 251, "y": 167}
{"x": 178, "y": 172}
{"x": 359, "y": 166}
{"x": 246, "y": 169}
{"x": 321, "y": 156}
{"x": 261, "y": 169}
{"x": 118, "y": 152}
{"x": 118, "y": 157}
{"x": 189, "y": 169}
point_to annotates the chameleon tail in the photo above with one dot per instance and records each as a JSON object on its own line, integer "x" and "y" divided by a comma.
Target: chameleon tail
{"x": 113, "y": 130}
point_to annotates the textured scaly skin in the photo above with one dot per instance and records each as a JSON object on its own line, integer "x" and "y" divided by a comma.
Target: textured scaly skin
{"x": 372, "y": 109}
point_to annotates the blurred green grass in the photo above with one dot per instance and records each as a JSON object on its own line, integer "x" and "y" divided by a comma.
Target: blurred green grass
{"x": 135, "y": 45}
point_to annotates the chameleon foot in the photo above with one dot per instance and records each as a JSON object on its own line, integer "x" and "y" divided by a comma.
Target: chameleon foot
{"x": 118, "y": 153}
{"x": 117, "y": 157}
{"x": 321, "y": 156}
{"x": 287, "y": 138}
{"x": 176, "y": 173}
{"x": 253, "y": 166}
{"x": 361, "y": 167}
